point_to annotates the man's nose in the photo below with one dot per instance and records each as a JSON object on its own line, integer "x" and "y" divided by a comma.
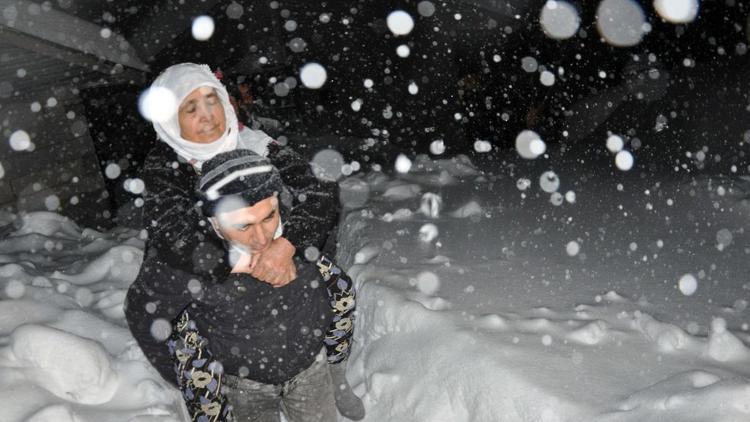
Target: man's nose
{"x": 259, "y": 236}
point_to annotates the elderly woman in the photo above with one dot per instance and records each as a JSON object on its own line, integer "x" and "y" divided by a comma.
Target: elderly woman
{"x": 183, "y": 256}
{"x": 204, "y": 125}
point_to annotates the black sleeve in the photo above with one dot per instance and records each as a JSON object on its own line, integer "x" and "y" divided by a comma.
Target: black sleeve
{"x": 156, "y": 298}
{"x": 175, "y": 225}
{"x": 153, "y": 301}
{"x": 182, "y": 258}
{"x": 315, "y": 203}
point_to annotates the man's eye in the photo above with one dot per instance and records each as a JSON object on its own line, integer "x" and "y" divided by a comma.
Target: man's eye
{"x": 270, "y": 217}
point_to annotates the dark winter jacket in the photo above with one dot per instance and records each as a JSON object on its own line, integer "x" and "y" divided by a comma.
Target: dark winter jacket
{"x": 185, "y": 262}
{"x": 197, "y": 367}
{"x": 266, "y": 334}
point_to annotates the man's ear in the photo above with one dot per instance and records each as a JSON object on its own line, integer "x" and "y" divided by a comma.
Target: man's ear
{"x": 215, "y": 224}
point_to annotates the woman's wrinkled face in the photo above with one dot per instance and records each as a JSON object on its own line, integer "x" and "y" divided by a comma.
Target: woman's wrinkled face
{"x": 201, "y": 116}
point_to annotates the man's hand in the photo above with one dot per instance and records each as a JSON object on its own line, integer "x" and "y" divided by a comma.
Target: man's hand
{"x": 243, "y": 264}
{"x": 275, "y": 265}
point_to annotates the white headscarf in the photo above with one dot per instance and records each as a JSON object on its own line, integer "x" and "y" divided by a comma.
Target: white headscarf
{"x": 182, "y": 79}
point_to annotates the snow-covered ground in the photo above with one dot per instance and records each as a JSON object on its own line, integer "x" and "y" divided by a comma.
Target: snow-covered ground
{"x": 66, "y": 352}
{"x": 523, "y": 310}
{"x": 623, "y": 300}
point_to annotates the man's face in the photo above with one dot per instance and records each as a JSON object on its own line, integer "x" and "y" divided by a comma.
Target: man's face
{"x": 201, "y": 116}
{"x": 252, "y": 227}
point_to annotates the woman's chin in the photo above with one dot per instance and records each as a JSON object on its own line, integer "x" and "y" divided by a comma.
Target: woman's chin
{"x": 206, "y": 139}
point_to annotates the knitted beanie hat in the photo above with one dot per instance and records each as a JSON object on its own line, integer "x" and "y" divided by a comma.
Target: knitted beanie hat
{"x": 236, "y": 179}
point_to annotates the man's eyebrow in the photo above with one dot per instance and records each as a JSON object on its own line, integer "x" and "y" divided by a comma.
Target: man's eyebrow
{"x": 248, "y": 222}
{"x": 251, "y": 220}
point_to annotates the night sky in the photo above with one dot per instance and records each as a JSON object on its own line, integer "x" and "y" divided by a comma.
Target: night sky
{"x": 470, "y": 65}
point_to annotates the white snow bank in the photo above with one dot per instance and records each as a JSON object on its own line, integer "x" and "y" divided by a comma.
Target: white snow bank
{"x": 458, "y": 166}
{"x": 71, "y": 367}
{"x": 47, "y": 224}
{"x": 494, "y": 319}
{"x": 66, "y": 354}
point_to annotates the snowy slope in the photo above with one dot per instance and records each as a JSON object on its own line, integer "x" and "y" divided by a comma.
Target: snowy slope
{"x": 523, "y": 310}
{"x": 66, "y": 353}
{"x": 479, "y": 301}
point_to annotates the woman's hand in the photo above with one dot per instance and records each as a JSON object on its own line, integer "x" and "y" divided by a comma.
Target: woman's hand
{"x": 275, "y": 265}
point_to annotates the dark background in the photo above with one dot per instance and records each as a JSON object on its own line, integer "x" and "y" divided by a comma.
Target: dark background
{"x": 705, "y": 105}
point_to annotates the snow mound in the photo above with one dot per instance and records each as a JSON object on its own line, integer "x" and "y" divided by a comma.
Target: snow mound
{"x": 432, "y": 303}
{"x": 437, "y": 259}
{"x": 353, "y": 192}
{"x": 83, "y": 324}
{"x": 47, "y": 224}
{"x": 691, "y": 396}
{"x": 431, "y": 205}
{"x": 724, "y": 346}
{"x": 34, "y": 242}
{"x": 69, "y": 366}
{"x": 458, "y": 166}
{"x": 14, "y": 313}
{"x": 472, "y": 208}
{"x": 492, "y": 322}
{"x": 65, "y": 351}
{"x": 400, "y": 192}
{"x": 376, "y": 179}
{"x": 55, "y": 412}
{"x": 110, "y": 303}
{"x": 613, "y": 296}
{"x": 668, "y": 337}
{"x": 366, "y": 254}
{"x": 400, "y": 214}
{"x": 591, "y": 333}
{"x": 433, "y": 385}
{"x": 119, "y": 264}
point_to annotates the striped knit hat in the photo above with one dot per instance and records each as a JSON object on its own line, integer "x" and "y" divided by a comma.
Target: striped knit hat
{"x": 236, "y": 179}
